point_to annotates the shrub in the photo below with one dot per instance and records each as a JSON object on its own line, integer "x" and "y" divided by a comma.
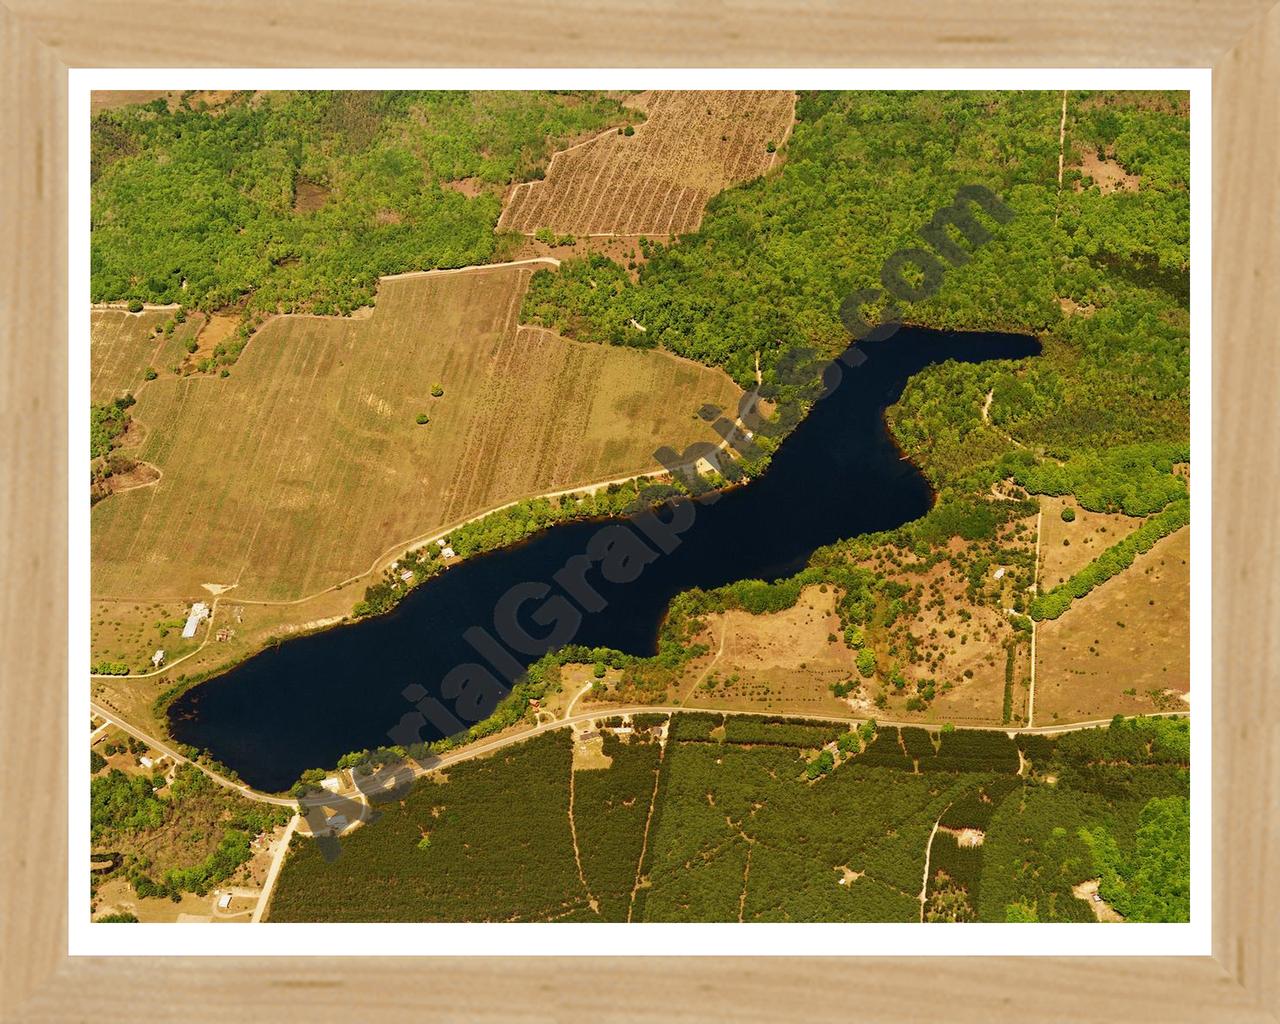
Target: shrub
{"x": 866, "y": 663}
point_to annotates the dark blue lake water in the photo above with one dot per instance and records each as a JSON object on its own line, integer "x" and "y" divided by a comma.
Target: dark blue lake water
{"x": 310, "y": 700}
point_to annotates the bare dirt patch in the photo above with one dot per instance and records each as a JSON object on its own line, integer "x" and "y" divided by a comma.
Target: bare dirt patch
{"x": 622, "y": 249}
{"x": 1107, "y": 174}
{"x": 1088, "y": 892}
{"x": 469, "y": 187}
{"x": 958, "y": 642}
{"x": 309, "y": 196}
{"x": 966, "y": 838}
{"x": 126, "y": 475}
{"x": 785, "y": 661}
{"x": 1070, "y": 307}
{"x": 1127, "y": 640}
{"x": 588, "y": 749}
{"x": 658, "y": 179}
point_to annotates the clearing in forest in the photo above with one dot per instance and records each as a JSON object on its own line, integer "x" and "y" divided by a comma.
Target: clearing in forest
{"x": 783, "y": 661}
{"x": 658, "y": 180}
{"x": 307, "y": 463}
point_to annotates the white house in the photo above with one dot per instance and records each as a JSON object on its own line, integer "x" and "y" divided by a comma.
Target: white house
{"x": 199, "y": 612}
{"x": 1000, "y": 573}
{"x": 332, "y": 784}
{"x": 447, "y": 552}
{"x": 157, "y": 659}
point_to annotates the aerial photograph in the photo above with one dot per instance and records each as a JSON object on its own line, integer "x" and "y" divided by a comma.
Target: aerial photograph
{"x": 663, "y": 506}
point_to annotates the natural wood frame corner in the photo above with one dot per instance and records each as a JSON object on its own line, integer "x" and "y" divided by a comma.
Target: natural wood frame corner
{"x": 1239, "y": 39}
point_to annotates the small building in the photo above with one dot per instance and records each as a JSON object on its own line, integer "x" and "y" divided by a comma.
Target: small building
{"x": 1000, "y": 573}
{"x": 332, "y": 784}
{"x": 705, "y": 465}
{"x": 224, "y": 901}
{"x": 406, "y": 576}
{"x": 442, "y": 542}
{"x": 146, "y": 762}
{"x": 199, "y": 612}
{"x": 448, "y": 552}
{"x": 157, "y": 659}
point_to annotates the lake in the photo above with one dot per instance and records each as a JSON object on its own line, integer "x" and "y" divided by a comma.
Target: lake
{"x": 308, "y": 701}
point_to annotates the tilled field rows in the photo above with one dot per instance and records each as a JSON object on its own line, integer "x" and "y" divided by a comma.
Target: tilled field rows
{"x": 305, "y": 464}
{"x": 657, "y": 181}
{"x": 124, "y": 345}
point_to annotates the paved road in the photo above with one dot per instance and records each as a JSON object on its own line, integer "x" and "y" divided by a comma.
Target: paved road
{"x": 277, "y": 861}
{"x": 431, "y": 764}
{"x": 239, "y": 787}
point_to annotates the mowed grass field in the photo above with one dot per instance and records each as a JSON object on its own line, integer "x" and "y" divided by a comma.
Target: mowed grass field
{"x": 306, "y": 464}
{"x": 123, "y": 346}
{"x": 657, "y": 181}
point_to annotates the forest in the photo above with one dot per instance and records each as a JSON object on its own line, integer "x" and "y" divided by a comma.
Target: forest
{"x": 1101, "y": 278}
{"x": 299, "y": 201}
{"x": 181, "y": 836}
{"x": 740, "y": 829}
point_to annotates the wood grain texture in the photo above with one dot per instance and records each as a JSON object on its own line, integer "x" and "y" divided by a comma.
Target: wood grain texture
{"x": 33, "y": 518}
{"x": 38, "y": 40}
{"x": 649, "y": 33}
{"x": 1246, "y": 536}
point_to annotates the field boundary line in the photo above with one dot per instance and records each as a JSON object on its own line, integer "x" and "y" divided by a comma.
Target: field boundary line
{"x": 470, "y": 268}
{"x": 648, "y": 821}
{"x": 928, "y": 853}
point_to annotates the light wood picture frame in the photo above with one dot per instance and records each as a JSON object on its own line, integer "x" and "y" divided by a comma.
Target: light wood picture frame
{"x": 39, "y": 41}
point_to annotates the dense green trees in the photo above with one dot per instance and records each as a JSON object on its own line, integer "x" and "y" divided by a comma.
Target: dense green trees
{"x": 107, "y": 423}
{"x": 500, "y": 849}
{"x": 1153, "y": 882}
{"x": 1134, "y": 479}
{"x": 122, "y": 802}
{"x": 493, "y": 841}
{"x": 1101, "y": 277}
{"x": 301, "y": 200}
{"x": 139, "y": 815}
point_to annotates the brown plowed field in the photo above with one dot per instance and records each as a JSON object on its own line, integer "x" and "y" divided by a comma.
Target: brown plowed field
{"x": 657, "y": 181}
{"x": 306, "y": 464}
